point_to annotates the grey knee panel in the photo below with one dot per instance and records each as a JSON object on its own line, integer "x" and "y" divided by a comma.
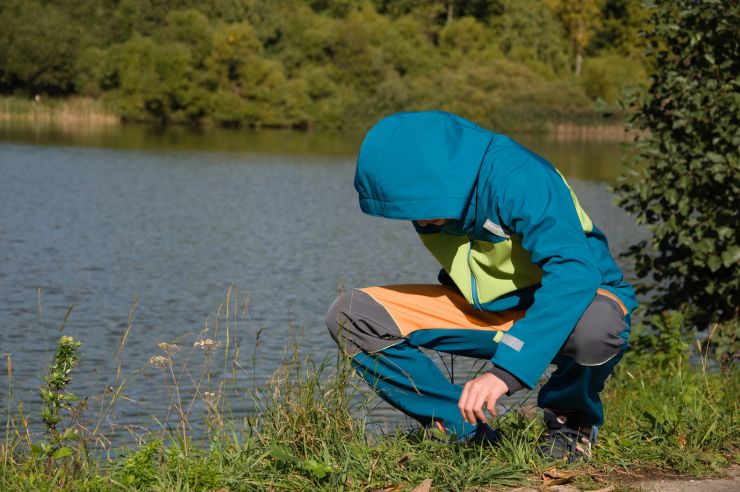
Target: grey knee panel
{"x": 357, "y": 322}
{"x": 595, "y": 340}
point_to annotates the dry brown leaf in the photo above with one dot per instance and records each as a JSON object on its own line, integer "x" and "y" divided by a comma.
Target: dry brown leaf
{"x": 403, "y": 460}
{"x": 423, "y": 486}
{"x": 553, "y": 472}
{"x": 553, "y": 476}
{"x": 682, "y": 441}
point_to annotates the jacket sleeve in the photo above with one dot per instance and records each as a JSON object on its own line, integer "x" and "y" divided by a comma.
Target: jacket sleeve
{"x": 535, "y": 203}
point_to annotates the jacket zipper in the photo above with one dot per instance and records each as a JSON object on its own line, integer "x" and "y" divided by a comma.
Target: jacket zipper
{"x": 473, "y": 281}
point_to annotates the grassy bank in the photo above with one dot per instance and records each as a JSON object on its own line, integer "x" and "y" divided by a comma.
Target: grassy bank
{"x": 664, "y": 417}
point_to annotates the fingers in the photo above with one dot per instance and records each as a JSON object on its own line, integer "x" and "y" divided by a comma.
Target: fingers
{"x": 477, "y": 393}
{"x": 491, "y": 405}
{"x": 477, "y": 407}
{"x": 462, "y": 400}
{"x": 465, "y": 404}
{"x": 472, "y": 401}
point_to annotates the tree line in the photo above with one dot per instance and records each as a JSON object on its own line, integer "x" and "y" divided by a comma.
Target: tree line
{"x": 327, "y": 63}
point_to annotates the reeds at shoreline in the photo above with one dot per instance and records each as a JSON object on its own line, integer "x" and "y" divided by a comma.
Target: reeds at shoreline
{"x": 75, "y": 111}
{"x": 573, "y": 132}
{"x": 86, "y": 114}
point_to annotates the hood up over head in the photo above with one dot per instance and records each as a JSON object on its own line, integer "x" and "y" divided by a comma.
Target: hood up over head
{"x": 420, "y": 166}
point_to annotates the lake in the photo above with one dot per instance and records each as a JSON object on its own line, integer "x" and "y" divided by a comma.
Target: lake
{"x": 174, "y": 220}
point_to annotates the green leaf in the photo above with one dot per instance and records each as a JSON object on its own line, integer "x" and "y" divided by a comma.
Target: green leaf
{"x": 438, "y": 434}
{"x": 731, "y": 256}
{"x": 69, "y": 433}
{"x": 317, "y": 469}
{"x": 62, "y": 452}
{"x": 282, "y": 454}
{"x": 714, "y": 263}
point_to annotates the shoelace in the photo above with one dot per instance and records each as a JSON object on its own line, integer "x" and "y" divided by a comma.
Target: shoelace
{"x": 564, "y": 437}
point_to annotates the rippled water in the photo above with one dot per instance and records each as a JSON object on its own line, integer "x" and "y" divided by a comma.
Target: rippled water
{"x": 173, "y": 221}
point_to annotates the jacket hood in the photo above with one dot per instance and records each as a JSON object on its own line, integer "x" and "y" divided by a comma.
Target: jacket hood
{"x": 420, "y": 166}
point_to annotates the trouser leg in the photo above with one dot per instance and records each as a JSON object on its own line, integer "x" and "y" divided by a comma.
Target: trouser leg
{"x": 586, "y": 361}
{"x": 385, "y": 348}
{"x": 406, "y": 378}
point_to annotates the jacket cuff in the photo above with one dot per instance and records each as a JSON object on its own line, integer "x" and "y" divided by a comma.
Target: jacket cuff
{"x": 511, "y": 381}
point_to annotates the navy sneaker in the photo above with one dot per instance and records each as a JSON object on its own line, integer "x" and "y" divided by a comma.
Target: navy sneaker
{"x": 567, "y": 437}
{"x": 483, "y": 435}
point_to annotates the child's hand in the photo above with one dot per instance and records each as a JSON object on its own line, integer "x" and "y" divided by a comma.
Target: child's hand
{"x": 483, "y": 390}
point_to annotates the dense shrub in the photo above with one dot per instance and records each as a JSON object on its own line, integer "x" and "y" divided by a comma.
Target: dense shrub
{"x": 684, "y": 183}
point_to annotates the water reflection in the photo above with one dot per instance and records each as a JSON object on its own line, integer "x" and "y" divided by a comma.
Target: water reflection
{"x": 582, "y": 159}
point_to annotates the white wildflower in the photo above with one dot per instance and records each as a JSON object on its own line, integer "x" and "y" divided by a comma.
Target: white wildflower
{"x": 159, "y": 361}
{"x": 169, "y": 348}
{"x": 211, "y": 398}
{"x": 206, "y": 344}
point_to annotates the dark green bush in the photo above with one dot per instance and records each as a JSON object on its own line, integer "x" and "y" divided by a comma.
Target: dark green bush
{"x": 684, "y": 182}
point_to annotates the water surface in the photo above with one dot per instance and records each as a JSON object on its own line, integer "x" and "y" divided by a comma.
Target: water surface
{"x": 174, "y": 220}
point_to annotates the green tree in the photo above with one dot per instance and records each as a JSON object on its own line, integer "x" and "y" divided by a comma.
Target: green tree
{"x": 464, "y": 37}
{"x": 441, "y": 11}
{"x": 608, "y": 76}
{"x": 528, "y": 32}
{"x": 684, "y": 183}
{"x": 335, "y": 8}
{"x": 582, "y": 19}
{"x": 149, "y": 81}
{"x": 39, "y": 45}
{"x": 622, "y": 21}
{"x": 479, "y": 9}
{"x": 191, "y": 28}
{"x": 249, "y": 88}
{"x": 305, "y": 37}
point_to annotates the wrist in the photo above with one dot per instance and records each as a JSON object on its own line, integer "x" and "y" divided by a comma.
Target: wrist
{"x": 498, "y": 383}
{"x": 511, "y": 382}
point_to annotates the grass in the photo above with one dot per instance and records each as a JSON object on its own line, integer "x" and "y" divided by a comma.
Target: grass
{"x": 307, "y": 431}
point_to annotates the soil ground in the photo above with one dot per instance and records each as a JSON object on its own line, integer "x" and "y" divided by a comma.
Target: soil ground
{"x": 729, "y": 483}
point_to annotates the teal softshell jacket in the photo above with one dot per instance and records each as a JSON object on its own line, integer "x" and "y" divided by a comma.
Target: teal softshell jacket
{"x": 519, "y": 239}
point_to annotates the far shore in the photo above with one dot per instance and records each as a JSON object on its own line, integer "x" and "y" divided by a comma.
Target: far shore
{"x": 87, "y": 115}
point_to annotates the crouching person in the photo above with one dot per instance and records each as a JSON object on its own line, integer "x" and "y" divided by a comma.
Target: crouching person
{"x": 526, "y": 280}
